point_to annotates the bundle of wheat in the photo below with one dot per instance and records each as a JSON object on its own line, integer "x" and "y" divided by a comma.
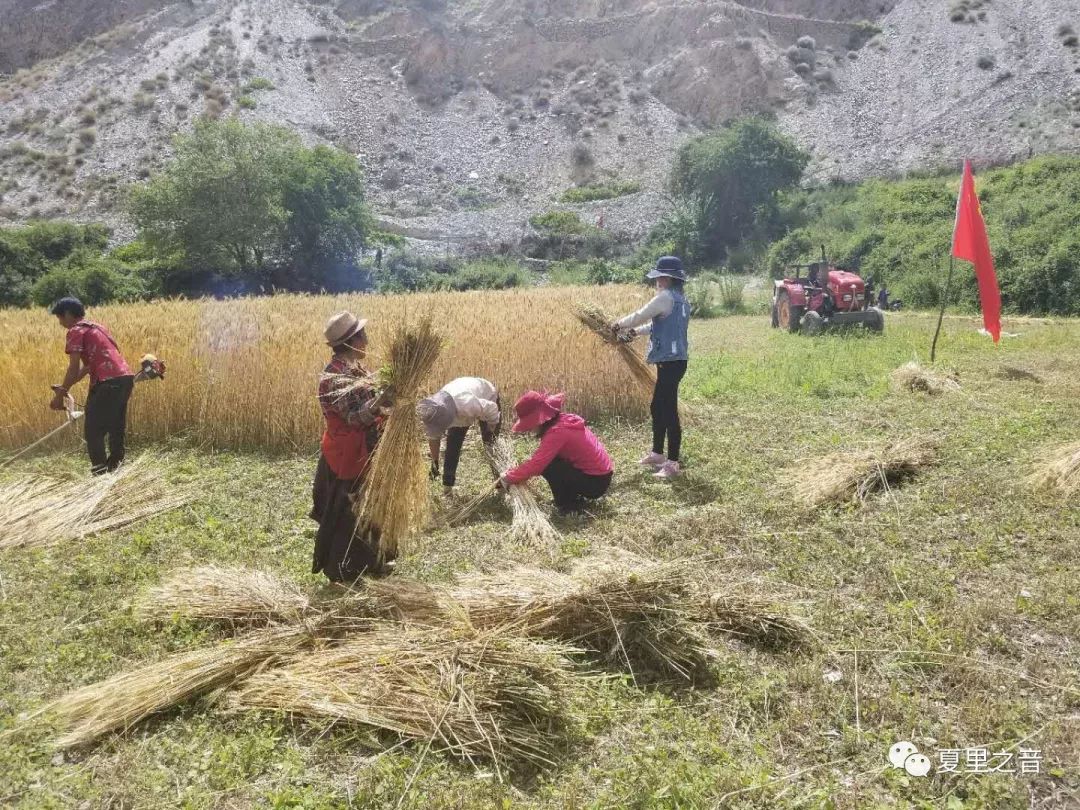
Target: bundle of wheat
{"x": 477, "y": 696}
{"x": 236, "y": 595}
{"x": 529, "y": 525}
{"x": 633, "y": 612}
{"x": 117, "y": 703}
{"x": 913, "y": 377}
{"x": 395, "y": 498}
{"x": 754, "y": 618}
{"x": 596, "y": 320}
{"x": 857, "y": 473}
{"x": 1059, "y": 469}
{"x": 40, "y": 511}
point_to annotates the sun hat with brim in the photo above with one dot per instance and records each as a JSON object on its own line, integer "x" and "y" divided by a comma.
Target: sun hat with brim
{"x": 536, "y": 407}
{"x": 438, "y": 413}
{"x": 341, "y": 327}
{"x": 670, "y": 266}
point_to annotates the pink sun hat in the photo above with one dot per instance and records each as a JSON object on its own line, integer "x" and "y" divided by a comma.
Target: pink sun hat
{"x": 536, "y": 407}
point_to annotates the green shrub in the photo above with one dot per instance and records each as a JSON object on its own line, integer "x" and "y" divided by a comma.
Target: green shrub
{"x": 567, "y": 273}
{"x": 258, "y": 83}
{"x": 601, "y": 271}
{"x": 487, "y": 275}
{"x": 246, "y": 103}
{"x": 92, "y": 278}
{"x": 605, "y": 191}
{"x": 558, "y": 222}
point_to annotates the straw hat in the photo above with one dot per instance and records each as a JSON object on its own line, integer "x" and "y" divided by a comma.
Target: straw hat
{"x": 341, "y": 327}
{"x": 536, "y": 407}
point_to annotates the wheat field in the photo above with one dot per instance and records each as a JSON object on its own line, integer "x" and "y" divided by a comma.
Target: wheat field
{"x": 242, "y": 373}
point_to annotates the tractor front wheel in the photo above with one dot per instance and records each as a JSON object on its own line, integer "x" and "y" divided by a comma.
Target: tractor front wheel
{"x": 787, "y": 315}
{"x": 813, "y": 323}
{"x": 877, "y": 322}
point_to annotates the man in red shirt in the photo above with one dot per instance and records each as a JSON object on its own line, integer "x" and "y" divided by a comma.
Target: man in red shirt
{"x": 92, "y": 351}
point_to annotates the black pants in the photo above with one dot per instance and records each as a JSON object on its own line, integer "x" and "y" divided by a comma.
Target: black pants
{"x": 342, "y": 551}
{"x": 455, "y": 440}
{"x": 665, "y": 408}
{"x": 106, "y": 415}
{"x": 570, "y": 486}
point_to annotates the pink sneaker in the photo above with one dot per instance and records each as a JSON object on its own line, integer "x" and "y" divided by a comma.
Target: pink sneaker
{"x": 654, "y": 460}
{"x": 670, "y": 469}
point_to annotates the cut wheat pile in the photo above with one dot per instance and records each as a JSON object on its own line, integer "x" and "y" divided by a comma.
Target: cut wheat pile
{"x": 236, "y": 595}
{"x": 529, "y": 525}
{"x": 39, "y": 511}
{"x": 913, "y": 377}
{"x": 395, "y": 496}
{"x": 858, "y": 473}
{"x": 477, "y": 696}
{"x": 597, "y": 321}
{"x": 117, "y": 703}
{"x": 478, "y": 669}
{"x": 1059, "y": 470}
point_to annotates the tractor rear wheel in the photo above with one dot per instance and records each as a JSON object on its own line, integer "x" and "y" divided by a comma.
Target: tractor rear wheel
{"x": 787, "y": 316}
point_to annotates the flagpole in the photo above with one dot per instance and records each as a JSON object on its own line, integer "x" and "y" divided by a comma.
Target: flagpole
{"x": 941, "y": 314}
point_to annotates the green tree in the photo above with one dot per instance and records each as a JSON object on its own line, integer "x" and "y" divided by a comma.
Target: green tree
{"x": 29, "y": 252}
{"x": 326, "y": 216}
{"x": 219, "y": 201}
{"x": 252, "y": 202}
{"x": 726, "y": 186}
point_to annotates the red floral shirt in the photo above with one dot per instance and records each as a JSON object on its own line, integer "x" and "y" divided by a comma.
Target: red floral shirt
{"x": 98, "y": 351}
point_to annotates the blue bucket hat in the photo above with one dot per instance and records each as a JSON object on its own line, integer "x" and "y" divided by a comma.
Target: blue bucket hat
{"x": 670, "y": 266}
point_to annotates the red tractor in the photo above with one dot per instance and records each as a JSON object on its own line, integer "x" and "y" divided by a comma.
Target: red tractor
{"x": 827, "y": 297}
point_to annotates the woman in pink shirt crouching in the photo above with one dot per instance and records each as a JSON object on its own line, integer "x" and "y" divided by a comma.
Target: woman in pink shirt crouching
{"x": 570, "y": 457}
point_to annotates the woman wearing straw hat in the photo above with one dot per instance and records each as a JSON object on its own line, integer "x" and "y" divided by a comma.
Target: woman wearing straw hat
{"x": 450, "y": 412}
{"x": 570, "y": 457}
{"x": 665, "y": 318}
{"x": 353, "y": 414}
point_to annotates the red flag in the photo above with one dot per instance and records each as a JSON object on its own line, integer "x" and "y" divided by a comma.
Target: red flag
{"x": 970, "y": 244}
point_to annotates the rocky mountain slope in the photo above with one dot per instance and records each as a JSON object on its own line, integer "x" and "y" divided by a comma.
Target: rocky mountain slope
{"x": 469, "y": 115}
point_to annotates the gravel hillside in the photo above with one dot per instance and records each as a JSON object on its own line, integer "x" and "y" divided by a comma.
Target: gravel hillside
{"x": 471, "y": 116}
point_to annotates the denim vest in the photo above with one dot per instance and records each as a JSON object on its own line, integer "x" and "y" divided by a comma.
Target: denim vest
{"x": 668, "y": 341}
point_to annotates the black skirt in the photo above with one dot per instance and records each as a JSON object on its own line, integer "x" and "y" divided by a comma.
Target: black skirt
{"x": 342, "y": 551}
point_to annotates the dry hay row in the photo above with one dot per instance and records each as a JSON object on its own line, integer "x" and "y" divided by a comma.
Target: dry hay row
{"x": 37, "y": 511}
{"x": 480, "y": 669}
{"x": 475, "y": 695}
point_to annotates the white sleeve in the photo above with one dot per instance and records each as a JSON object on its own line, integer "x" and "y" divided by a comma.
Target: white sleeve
{"x": 660, "y": 306}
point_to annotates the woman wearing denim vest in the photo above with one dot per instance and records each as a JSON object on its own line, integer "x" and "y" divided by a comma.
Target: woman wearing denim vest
{"x": 665, "y": 319}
